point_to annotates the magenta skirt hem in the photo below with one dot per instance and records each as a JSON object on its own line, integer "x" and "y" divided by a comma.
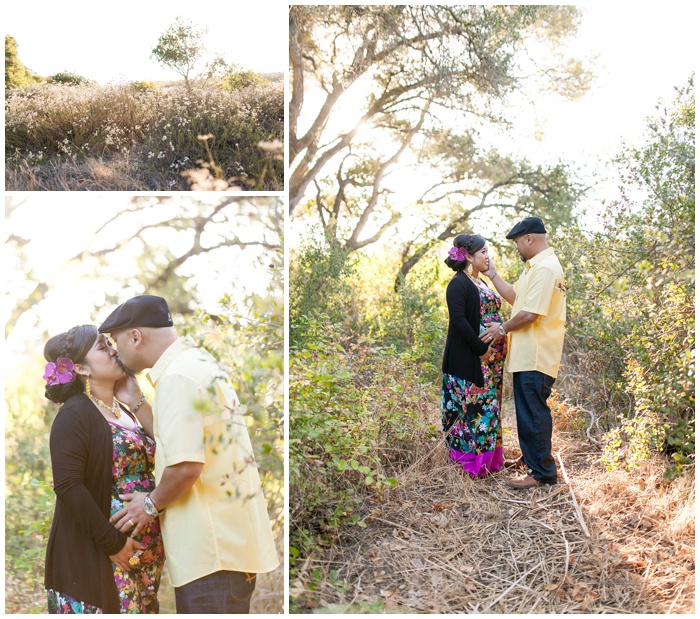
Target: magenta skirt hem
{"x": 479, "y": 464}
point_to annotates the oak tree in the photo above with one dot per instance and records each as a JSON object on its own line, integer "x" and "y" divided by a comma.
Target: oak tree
{"x": 433, "y": 77}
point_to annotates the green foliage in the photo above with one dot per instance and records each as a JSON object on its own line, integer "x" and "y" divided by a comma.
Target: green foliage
{"x": 69, "y": 79}
{"x": 632, "y": 308}
{"x": 320, "y": 275}
{"x": 362, "y": 361}
{"x": 180, "y": 47}
{"x": 16, "y": 74}
{"x": 238, "y": 79}
{"x": 143, "y": 86}
{"x": 354, "y": 291}
{"x": 248, "y": 342}
{"x": 412, "y": 321}
{"x": 356, "y": 409}
{"x": 29, "y": 497}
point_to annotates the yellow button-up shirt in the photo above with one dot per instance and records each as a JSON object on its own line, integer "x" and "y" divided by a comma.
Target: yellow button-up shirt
{"x": 540, "y": 290}
{"x": 221, "y": 523}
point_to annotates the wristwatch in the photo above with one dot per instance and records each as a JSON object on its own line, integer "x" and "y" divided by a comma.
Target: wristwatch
{"x": 501, "y": 330}
{"x": 149, "y": 506}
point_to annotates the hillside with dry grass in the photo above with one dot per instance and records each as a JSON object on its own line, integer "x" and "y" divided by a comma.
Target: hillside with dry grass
{"x": 144, "y": 137}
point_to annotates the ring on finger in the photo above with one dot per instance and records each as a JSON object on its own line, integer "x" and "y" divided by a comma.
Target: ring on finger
{"x": 131, "y": 522}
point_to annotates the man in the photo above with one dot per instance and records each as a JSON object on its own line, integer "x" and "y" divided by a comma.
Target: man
{"x": 536, "y": 330}
{"x": 214, "y": 520}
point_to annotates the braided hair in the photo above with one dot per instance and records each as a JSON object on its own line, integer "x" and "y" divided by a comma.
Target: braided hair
{"x": 472, "y": 243}
{"x": 74, "y": 345}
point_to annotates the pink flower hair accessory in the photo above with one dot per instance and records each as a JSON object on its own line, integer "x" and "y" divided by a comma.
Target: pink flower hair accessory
{"x": 458, "y": 253}
{"x": 60, "y": 372}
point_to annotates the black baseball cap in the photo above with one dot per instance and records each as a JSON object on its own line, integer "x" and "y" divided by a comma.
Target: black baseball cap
{"x": 529, "y": 225}
{"x": 146, "y": 310}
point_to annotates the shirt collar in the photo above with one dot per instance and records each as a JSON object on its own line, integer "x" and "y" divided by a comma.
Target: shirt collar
{"x": 541, "y": 256}
{"x": 179, "y": 345}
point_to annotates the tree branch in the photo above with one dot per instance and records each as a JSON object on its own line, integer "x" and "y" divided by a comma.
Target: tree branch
{"x": 353, "y": 242}
{"x": 183, "y": 223}
{"x": 450, "y": 230}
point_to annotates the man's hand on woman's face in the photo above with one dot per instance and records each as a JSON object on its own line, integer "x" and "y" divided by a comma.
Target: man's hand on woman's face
{"x": 490, "y": 272}
{"x": 127, "y": 390}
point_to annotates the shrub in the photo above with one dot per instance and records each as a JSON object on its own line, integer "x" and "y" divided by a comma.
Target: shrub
{"x": 320, "y": 283}
{"x": 69, "y": 79}
{"x": 413, "y": 320}
{"x": 56, "y": 121}
{"x": 238, "y": 80}
{"x": 238, "y": 122}
{"x": 143, "y": 86}
{"x": 29, "y": 497}
{"x": 631, "y": 347}
{"x": 363, "y": 359}
{"x": 356, "y": 412}
{"x": 16, "y": 74}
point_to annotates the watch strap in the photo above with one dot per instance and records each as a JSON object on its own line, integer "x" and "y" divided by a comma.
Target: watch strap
{"x": 150, "y": 502}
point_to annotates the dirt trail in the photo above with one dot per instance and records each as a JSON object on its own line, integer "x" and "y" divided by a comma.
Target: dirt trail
{"x": 444, "y": 543}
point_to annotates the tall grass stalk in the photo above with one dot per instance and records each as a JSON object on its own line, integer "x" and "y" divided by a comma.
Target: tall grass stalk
{"x": 149, "y": 135}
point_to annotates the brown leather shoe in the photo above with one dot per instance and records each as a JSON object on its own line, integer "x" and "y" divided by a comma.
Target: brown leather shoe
{"x": 510, "y": 463}
{"x": 527, "y": 481}
{"x": 523, "y": 481}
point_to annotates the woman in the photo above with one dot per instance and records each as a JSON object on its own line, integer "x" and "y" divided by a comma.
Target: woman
{"x": 472, "y": 382}
{"x": 98, "y": 450}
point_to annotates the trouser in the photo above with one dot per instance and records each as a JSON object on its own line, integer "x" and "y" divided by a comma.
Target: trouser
{"x": 223, "y": 592}
{"x": 534, "y": 419}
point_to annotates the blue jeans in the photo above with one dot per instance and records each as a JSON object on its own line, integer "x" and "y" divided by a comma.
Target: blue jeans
{"x": 222, "y": 592}
{"x": 534, "y": 419}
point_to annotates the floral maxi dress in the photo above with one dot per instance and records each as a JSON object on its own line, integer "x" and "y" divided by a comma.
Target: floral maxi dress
{"x": 471, "y": 415}
{"x": 132, "y": 471}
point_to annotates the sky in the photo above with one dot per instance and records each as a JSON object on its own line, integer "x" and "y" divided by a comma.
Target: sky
{"x": 112, "y": 42}
{"x": 641, "y": 53}
{"x": 639, "y": 58}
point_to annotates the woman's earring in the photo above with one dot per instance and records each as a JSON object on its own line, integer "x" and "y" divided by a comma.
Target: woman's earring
{"x": 87, "y": 386}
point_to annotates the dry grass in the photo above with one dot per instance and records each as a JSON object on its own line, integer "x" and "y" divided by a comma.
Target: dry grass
{"x": 19, "y": 599}
{"x": 90, "y": 174}
{"x": 121, "y": 138}
{"x": 444, "y": 543}
{"x": 267, "y": 598}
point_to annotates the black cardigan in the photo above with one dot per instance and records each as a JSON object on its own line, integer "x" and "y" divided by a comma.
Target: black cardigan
{"x": 463, "y": 346}
{"x": 82, "y": 538}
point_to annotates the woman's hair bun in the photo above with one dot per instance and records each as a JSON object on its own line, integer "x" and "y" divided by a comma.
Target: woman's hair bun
{"x": 471, "y": 242}
{"x": 62, "y": 392}
{"x": 74, "y": 344}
